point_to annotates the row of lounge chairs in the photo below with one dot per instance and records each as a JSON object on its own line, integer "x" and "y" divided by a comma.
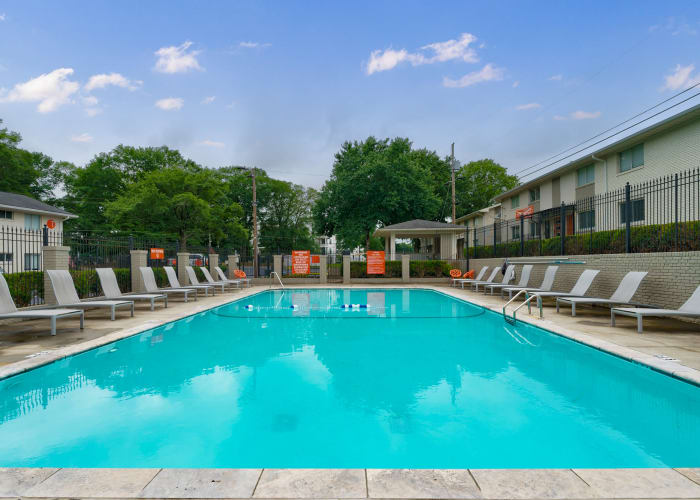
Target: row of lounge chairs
{"x": 577, "y": 295}
{"x": 70, "y": 304}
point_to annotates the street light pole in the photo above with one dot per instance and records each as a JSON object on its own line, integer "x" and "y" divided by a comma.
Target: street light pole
{"x": 452, "y": 168}
{"x": 255, "y": 226}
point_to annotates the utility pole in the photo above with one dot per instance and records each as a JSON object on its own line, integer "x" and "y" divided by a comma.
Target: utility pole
{"x": 452, "y": 167}
{"x": 255, "y": 226}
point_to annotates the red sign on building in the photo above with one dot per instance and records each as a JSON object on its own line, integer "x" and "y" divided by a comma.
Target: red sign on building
{"x": 301, "y": 261}
{"x": 375, "y": 262}
{"x": 157, "y": 253}
{"x": 525, "y": 212}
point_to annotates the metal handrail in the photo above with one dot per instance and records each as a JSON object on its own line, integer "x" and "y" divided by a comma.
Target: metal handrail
{"x": 274, "y": 273}
{"x": 527, "y": 303}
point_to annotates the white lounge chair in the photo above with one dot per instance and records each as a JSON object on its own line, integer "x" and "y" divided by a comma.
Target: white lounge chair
{"x": 149, "y": 283}
{"x": 210, "y": 280}
{"x": 507, "y": 278}
{"x": 583, "y": 283}
{"x": 690, "y": 309}
{"x": 222, "y": 276}
{"x": 8, "y": 310}
{"x": 174, "y": 283}
{"x": 110, "y": 287}
{"x": 524, "y": 278}
{"x": 623, "y": 295}
{"x": 547, "y": 283}
{"x": 478, "y": 277}
{"x": 67, "y": 296}
{"x": 193, "y": 279}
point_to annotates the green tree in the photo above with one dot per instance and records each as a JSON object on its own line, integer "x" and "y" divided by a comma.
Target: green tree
{"x": 375, "y": 183}
{"x": 477, "y": 184}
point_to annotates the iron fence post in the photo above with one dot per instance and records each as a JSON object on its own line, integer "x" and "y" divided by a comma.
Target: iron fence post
{"x": 562, "y": 230}
{"x": 628, "y": 217}
{"x": 45, "y": 235}
{"x": 522, "y": 235}
{"x": 675, "y": 194}
{"x": 466, "y": 244}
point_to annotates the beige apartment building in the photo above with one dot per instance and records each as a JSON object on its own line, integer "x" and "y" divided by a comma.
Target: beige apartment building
{"x": 668, "y": 147}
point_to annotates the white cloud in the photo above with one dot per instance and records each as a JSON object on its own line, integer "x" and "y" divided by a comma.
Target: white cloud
{"x": 51, "y": 90}
{"x": 516, "y": 83}
{"x": 170, "y": 103}
{"x": 531, "y": 105}
{"x": 209, "y": 99}
{"x": 103, "y": 80}
{"x": 488, "y": 73}
{"x": 177, "y": 59}
{"x": 585, "y": 115}
{"x": 93, "y": 111}
{"x": 213, "y": 144}
{"x": 253, "y": 45}
{"x": 681, "y": 78}
{"x": 383, "y": 60}
{"x": 556, "y": 78}
{"x": 84, "y": 137}
{"x": 231, "y": 104}
{"x": 89, "y": 100}
{"x": 559, "y": 117}
{"x": 3, "y": 17}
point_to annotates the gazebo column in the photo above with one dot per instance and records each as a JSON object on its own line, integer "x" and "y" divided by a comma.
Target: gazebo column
{"x": 387, "y": 246}
{"x": 392, "y": 246}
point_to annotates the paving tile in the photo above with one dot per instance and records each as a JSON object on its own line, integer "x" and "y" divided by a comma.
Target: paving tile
{"x": 15, "y": 481}
{"x": 421, "y": 483}
{"x": 97, "y": 483}
{"x": 312, "y": 483}
{"x": 691, "y": 473}
{"x": 531, "y": 483}
{"x": 203, "y": 483}
{"x": 640, "y": 483}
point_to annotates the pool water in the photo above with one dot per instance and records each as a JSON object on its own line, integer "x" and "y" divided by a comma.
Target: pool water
{"x": 417, "y": 380}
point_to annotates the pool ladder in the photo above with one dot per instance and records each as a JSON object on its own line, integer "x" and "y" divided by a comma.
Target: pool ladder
{"x": 274, "y": 274}
{"x": 527, "y": 302}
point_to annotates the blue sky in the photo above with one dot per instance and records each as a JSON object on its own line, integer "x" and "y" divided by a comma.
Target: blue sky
{"x": 280, "y": 85}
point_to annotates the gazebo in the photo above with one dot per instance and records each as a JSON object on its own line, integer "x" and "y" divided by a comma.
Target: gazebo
{"x": 437, "y": 238}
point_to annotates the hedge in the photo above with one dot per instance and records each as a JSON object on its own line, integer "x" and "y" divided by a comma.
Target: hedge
{"x": 26, "y": 288}
{"x": 429, "y": 269}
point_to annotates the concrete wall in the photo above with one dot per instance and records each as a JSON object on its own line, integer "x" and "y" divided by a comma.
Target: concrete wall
{"x": 672, "y": 278}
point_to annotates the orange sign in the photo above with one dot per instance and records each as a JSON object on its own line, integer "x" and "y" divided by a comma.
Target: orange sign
{"x": 375, "y": 262}
{"x": 315, "y": 259}
{"x": 51, "y": 224}
{"x": 301, "y": 260}
{"x": 157, "y": 253}
{"x": 525, "y": 212}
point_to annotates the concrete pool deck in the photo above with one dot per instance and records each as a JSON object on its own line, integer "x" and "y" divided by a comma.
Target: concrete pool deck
{"x": 27, "y": 344}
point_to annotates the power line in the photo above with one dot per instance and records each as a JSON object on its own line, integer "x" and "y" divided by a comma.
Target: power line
{"x": 611, "y": 135}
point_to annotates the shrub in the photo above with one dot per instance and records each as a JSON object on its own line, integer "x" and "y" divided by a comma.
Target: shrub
{"x": 429, "y": 269}
{"x": 26, "y": 288}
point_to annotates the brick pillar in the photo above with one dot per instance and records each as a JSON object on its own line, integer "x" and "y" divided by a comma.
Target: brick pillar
{"x": 277, "y": 264}
{"x": 183, "y": 259}
{"x": 53, "y": 258}
{"x": 232, "y": 266}
{"x": 323, "y": 269}
{"x": 346, "y": 269}
{"x": 139, "y": 258}
{"x": 213, "y": 262}
{"x": 405, "y": 268}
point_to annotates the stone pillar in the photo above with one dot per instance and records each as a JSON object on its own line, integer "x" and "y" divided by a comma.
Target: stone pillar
{"x": 53, "y": 258}
{"x": 346, "y": 269}
{"x": 183, "y": 259}
{"x": 213, "y": 262}
{"x": 323, "y": 269}
{"x": 139, "y": 258}
{"x": 277, "y": 264}
{"x": 405, "y": 268}
{"x": 232, "y": 266}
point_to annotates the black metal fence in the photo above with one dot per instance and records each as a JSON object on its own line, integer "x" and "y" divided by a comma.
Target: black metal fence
{"x": 660, "y": 215}
{"x": 21, "y": 264}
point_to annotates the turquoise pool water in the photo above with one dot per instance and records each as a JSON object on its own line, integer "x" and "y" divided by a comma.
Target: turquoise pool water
{"x": 418, "y": 380}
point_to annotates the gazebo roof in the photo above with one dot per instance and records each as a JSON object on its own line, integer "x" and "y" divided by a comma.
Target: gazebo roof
{"x": 419, "y": 226}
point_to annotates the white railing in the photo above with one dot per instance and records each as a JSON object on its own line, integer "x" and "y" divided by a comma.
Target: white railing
{"x": 526, "y": 302}
{"x": 274, "y": 274}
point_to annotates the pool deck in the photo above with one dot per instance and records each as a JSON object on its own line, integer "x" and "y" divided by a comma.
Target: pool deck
{"x": 27, "y": 344}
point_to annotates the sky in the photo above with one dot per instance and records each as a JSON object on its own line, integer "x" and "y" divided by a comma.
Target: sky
{"x": 281, "y": 85}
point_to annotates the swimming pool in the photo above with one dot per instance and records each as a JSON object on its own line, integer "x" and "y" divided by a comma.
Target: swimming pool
{"x": 416, "y": 380}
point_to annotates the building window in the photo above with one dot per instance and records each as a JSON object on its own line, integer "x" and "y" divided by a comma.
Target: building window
{"x": 31, "y": 261}
{"x": 32, "y": 222}
{"x": 535, "y": 194}
{"x": 585, "y": 175}
{"x": 5, "y": 214}
{"x": 534, "y": 229}
{"x": 5, "y": 257}
{"x": 586, "y": 220}
{"x": 515, "y": 201}
{"x": 637, "y": 211}
{"x": 515, "y": 232}
{"x": 632, "y": 158}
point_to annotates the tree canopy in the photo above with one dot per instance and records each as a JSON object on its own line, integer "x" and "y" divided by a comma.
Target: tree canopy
{"x": 478, "y": 183}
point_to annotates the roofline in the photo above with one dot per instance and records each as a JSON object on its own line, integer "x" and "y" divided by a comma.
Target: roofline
{"x": 383, "y": 230}
{"x": 65, "y": 215}
{"x": 476, "y": 212}
{"x": 666, "y": 124}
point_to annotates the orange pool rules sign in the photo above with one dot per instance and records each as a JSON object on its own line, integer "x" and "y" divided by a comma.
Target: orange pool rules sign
{"x": 157, "y": 253}
{"x": 375, "y": 262}
{"x": 301, "y": 261}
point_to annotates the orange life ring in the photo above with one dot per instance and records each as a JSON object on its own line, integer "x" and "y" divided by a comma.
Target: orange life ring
{"x": 455, "y": 273}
